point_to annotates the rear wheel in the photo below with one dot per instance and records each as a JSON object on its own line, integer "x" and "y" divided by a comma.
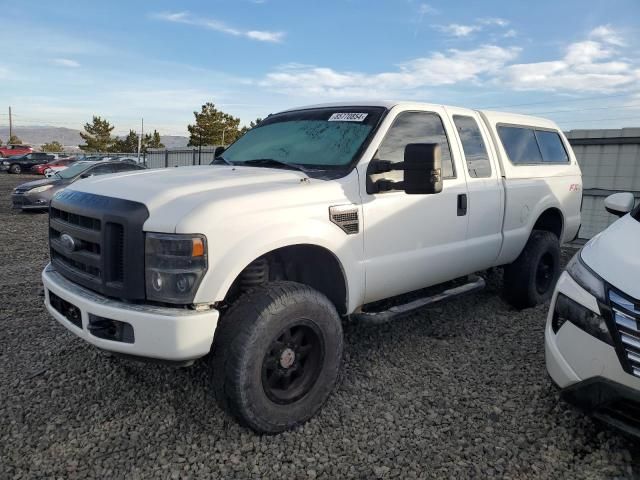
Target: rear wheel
{"x": 15, "y": 168}
{"x": 531, "y": 278}
{"x": 276, "y": 356}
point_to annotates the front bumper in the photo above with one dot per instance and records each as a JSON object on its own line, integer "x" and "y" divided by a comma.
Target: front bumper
{"x": 4, "y": 168}
{"x": 587, "y": 369}
{"x": 29, "y": 202}
{"x": 159, "y": 333}
{"x": 609, "y": 402}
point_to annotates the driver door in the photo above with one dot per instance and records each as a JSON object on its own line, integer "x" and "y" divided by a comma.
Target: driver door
{"x": 414, "y": 241}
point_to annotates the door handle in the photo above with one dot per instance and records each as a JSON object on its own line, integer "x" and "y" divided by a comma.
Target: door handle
{"x": 462, "y": 204}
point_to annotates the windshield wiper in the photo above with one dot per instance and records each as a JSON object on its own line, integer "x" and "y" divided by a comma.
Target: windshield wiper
{"x": 272, "y": 162}
{"x": 224, "y": 160}
{"x": 57, "y": 174}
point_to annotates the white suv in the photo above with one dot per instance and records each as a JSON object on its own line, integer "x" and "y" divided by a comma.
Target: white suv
{"x": 593, "y": 326}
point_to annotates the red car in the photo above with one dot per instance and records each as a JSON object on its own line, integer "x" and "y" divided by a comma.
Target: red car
{"x": 63, "y": 162}
{"x": 11, "y": 150}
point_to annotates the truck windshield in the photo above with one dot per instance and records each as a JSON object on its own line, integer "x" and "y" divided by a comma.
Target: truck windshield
{"x": 323, "y": 138}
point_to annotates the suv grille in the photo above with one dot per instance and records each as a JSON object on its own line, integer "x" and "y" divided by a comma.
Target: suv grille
{"x": 626, "y": 314}
{"x": 97, "y": 242}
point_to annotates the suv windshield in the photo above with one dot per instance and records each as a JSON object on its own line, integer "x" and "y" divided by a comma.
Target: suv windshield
{"x": 74, "y": 170}
{"x": 322, "y": 138}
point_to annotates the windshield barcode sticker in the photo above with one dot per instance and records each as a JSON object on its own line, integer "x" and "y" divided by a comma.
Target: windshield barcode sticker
{"x": 348, "y": 117}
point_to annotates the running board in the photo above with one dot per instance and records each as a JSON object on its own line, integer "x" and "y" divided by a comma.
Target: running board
{"x": 475, "y": 283}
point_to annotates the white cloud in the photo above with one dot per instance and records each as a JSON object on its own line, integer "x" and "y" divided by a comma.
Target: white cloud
{"x": 65, "y": 62}
{"x": 500, "y": 22}
{"x": 589, "y": 65}
{"x": 458, "y": 30}
{"x": 608, "y": 35}
{"x": 585, "y": 66}
{"x": 511, "y": 33}
{"x": 218, "y": 26}
{"x": 426, "y": 9}
{"x": 448, "y": 68}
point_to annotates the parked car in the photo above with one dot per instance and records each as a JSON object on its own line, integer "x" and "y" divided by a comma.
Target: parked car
{"x": 14, "y": 150}
{"x": 593, "y": 326}
{"x": 36, "y": 195}
{"x": 64, "y": 162}
{"x": 24, "y": 163}
{"x": 315, "y": 214}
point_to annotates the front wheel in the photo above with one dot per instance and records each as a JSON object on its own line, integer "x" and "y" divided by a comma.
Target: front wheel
{"x": 531, "y": 278}
{"x": 15, "y": 168}
{"x": 276, "y": 356}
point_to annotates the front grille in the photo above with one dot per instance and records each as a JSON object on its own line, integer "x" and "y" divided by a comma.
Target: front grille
{"x": 98, "y": 242}
{"x": 626, "y": 315}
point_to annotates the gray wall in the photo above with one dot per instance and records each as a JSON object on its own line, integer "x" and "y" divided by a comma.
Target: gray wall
{"x": 610, "y": 163}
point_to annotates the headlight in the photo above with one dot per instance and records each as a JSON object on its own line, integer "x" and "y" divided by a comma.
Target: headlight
{"x": 174, "y": 266}
{"x": 43, "y": 188}
{"x": 4, "y": 162}
{"x": 585, "y": 277}
{"x": 567, "y": 309}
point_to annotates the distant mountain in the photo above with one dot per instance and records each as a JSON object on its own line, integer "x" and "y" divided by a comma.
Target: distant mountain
{"x": 69, "y": 137}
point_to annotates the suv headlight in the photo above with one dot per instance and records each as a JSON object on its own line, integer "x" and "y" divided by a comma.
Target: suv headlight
{"x": 582, "y": 317}
{"x": 174, "y": 266}
{"x": 567, "y": 309}
{"x": 585, "y": 277}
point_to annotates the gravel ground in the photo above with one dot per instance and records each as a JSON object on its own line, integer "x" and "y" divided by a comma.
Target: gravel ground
{"x": 456, "y": 391}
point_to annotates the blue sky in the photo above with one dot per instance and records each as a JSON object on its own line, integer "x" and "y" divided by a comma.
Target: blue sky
{"x": 573, "y": 61}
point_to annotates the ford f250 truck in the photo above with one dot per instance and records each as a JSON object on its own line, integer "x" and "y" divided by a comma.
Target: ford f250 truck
{"x": 315, "y": 215}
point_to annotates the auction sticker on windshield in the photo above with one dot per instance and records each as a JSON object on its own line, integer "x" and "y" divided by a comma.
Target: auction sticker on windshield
{"x": 348, "y": 117}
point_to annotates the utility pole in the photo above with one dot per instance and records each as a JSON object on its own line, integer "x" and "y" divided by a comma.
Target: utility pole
{"x": 10, "y": 125}
{"x": 140, "y": 139}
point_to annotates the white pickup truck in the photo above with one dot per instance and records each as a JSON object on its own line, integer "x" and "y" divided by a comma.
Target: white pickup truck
{"x": 316, "y": 214}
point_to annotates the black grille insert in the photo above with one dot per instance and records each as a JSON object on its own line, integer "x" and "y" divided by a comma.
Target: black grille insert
{"x": 98, "y": 242}
{"x": 625, "y": 313}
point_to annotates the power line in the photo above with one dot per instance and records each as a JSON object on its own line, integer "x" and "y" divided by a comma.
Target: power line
{"x": 583, "y": 99}
{"x": 599, "y": 120}
{"x": 585, "y": 109}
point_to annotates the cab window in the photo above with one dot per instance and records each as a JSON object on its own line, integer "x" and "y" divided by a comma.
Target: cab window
{"x": 475, "y": 151}
{"x": 415, "y": 127}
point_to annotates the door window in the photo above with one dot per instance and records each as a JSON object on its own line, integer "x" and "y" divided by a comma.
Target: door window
{"x": 415, "y": 127}
{"x": 101, "y": 170}
{"x": 475, "y": 151}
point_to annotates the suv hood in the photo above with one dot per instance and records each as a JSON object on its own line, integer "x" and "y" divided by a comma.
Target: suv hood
{"x": 174, "y": 196}
{"x": 612, "y": 254}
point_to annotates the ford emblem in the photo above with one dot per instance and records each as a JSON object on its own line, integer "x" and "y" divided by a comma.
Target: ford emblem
{"x": 68, "y": 242}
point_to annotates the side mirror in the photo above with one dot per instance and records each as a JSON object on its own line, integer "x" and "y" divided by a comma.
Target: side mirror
{"x": 218, "y": 151}
{"x": 422, "y": 168}
{"x": 619, "y": 203}
{"x": 86, "y": 175}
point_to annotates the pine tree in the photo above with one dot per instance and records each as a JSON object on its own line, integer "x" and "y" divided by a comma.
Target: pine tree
{"x": 97, "y": 136}
{"x": 53, "y": 147}
{"x": 152, "y": 141}
{"x": 252, "y": 124}
{"x": 128, "y": 144}
{"x": 213, "y": 127}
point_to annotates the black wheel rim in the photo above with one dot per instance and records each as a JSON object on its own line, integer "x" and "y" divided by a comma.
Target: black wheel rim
{"x": 545, "y": 273}
{"x": 292, "y": 363}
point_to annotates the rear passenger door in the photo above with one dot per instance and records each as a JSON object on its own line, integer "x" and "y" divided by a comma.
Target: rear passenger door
{"x": 485, "y": 194}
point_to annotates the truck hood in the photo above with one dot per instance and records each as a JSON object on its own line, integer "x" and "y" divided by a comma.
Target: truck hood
{"x": 175, "y": 195}
{"x": 612, "y": 255}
